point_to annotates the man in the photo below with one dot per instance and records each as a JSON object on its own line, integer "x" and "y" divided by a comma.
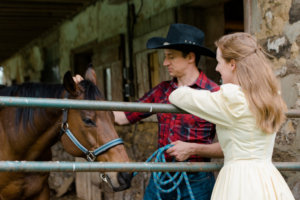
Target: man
{"x": 191, "y": 136}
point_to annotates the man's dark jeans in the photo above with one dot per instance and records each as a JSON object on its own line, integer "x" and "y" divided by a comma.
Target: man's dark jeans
{"x": 202, "y": 184}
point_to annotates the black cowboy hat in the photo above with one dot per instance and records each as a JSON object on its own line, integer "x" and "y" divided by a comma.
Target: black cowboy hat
{"x": 182, "y": 37}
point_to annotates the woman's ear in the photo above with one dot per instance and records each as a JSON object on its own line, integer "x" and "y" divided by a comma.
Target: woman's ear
{"x": 232, "y": 65}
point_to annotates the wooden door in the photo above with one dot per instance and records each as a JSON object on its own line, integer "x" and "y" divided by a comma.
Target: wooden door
{"x": 108, "y": 61}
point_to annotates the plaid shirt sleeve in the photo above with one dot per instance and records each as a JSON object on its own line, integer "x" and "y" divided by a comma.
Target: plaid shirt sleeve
{"x": 149, "y": 97}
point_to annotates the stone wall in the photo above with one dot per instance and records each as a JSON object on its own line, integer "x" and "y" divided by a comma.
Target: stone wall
{"x": 277, "y": 27}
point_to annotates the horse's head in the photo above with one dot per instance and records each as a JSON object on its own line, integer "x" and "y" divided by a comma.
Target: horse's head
{"x": 94, "y": 129}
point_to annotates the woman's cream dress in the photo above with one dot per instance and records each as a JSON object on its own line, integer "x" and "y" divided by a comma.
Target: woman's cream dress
{"x": 248, "y": 173}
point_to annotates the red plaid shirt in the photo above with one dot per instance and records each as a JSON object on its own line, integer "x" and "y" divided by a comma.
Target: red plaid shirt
{"x": 173, "y": 127}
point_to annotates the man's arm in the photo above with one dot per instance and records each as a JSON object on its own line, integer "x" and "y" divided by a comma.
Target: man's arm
{"x": 208, "y": 150}
{"x": 120, "y": 118}
{"x": 183, "y": 150}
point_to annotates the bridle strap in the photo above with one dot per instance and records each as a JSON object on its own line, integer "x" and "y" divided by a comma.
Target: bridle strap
{"x": 91, "y": 155}
{"x": 65, "y": 111}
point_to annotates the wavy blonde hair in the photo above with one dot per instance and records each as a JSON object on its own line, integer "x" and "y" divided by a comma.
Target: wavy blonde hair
{"x": 256, "y": 77}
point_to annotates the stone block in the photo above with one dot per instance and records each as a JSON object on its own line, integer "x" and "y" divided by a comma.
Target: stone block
{"x": 283, "y": 156}
{"x": 294, "y": 12}
{"x": 296, "y": 190}
{"x": 289, "y": 91}
{"x": 297, "y": 140}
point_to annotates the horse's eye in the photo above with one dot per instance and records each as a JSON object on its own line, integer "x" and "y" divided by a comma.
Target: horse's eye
{"x": 88, "y": 121}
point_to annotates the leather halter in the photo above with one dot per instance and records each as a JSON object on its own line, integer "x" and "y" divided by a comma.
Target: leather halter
{"x": 90, "y": 155}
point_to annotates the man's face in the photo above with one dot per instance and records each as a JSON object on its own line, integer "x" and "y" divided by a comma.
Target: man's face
{"x": 175, "y": 62}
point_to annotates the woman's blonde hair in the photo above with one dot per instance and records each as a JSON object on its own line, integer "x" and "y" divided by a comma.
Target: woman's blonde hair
{"x": 256, "y": 77}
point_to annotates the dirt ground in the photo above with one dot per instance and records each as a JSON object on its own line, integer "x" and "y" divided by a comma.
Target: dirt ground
{"x": 70, "y": 195}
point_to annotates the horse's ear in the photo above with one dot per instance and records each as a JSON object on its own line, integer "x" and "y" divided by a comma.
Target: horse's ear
{"x": 90, "y": 74}
{"x": 70, "y": 85}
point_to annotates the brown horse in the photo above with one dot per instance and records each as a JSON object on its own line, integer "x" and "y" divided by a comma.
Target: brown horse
{"x": 28, "y": 134}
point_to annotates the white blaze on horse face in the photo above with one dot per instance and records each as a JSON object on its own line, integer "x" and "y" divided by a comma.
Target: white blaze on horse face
{"x": 113, "y": 180}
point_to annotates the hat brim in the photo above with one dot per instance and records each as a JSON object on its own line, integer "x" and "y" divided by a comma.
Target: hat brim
{"x": 161, "y": 43}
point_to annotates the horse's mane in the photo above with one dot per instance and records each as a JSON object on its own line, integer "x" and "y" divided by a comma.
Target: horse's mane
{"x": 41, "y": 90}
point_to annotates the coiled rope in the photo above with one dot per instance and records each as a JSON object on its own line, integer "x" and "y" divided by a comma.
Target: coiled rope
{"x": 159, "y": 177}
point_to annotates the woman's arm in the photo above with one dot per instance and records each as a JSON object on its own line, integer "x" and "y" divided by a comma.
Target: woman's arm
{"x": 183, "y": 150}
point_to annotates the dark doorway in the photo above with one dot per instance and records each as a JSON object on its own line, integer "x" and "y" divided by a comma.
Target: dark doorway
{"x": 81, "y": 57}
{"x": 51, "y": 73}
{"x": 81, "y": 61}
{"x": 234, "y": 16}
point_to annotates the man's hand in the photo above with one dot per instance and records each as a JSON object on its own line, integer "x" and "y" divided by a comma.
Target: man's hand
{"x": 77, "y": 78}
{"x": 120, "y": 118}
{"x": 181, "y": 150}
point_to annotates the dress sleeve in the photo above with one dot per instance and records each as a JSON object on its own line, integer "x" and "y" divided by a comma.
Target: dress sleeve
{"x": 221, "y": 107}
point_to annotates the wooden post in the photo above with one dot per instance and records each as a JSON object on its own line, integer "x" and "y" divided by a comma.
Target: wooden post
{"x": 247, "y": 16}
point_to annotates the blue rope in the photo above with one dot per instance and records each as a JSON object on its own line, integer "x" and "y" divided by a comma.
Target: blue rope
{"x": 159, "y": 177}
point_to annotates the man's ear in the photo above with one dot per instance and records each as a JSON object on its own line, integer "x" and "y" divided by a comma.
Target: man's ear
{"x": 191, "y": 57}
{"x": 70, "y": 85}
{"x": 90, "y": 74}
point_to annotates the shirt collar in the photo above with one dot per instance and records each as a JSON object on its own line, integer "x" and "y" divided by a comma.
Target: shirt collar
{"x": 200, "y": 82}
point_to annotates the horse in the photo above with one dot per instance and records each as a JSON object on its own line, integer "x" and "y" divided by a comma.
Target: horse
{"x": 27, "y": 134}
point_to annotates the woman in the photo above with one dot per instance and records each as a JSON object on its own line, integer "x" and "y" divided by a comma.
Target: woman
{"x": 247, "y": 111}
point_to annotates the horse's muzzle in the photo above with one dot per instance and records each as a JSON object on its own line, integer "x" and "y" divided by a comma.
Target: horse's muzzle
{"x": 124, "y": 180}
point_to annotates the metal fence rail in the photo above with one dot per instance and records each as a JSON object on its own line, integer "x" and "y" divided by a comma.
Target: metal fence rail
{"x": 26, "y": 166}
{"x": 100, "y": 105}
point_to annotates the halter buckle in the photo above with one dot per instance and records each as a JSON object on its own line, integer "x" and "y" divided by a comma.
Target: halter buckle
{"x": 103, "y": 177}
{"x": 63, "y": 125}
{"x": 90, "y": 156}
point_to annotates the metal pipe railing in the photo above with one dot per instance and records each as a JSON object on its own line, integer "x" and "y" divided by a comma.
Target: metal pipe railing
{"x": 28, "y": 166}
{"x": 100, "y": 105}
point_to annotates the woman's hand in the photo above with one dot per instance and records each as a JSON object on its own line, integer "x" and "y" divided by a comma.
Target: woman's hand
{"x": 181, "y": 150}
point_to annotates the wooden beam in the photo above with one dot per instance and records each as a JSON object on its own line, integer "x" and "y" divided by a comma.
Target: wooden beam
{"x": 32, "y": 14}
{"x": 10, "y": 49}
{"x": 49, "y": 1}
{"x": 40, "y": 6}
{"x": 28, "y": 10}
{"x": 27, "y": 24}
{"x": 29, "y": 18}
{"x": 12, "y": 32}
{"x": 23, "y": 28}
{"x": 16, "y": 40}
{"x": 247, "y": 16}
{"x": 7, "y": 52}
{"x": 14, "y": 43}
